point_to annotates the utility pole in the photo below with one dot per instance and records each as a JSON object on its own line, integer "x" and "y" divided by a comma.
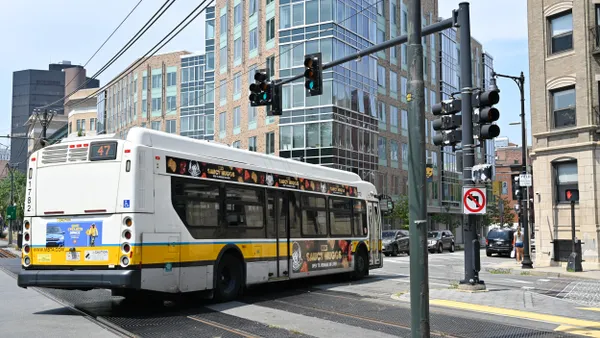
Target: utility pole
{"x": 12, "y": 203}
{"x": 44, "y": 123}
{"x": 471, "y": 280}
{"x": 417, "y": 202}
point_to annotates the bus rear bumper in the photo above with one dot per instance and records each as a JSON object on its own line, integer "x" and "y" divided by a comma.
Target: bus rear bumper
{"x": 80, "y": 279}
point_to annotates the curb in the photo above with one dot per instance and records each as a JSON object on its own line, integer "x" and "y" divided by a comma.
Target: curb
{"x": 519, "y": 272}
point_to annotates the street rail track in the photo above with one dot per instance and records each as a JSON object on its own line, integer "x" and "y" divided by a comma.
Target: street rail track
{"x": 7, "y": 254}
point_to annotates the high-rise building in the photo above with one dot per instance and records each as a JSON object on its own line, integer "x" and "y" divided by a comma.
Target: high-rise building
{"x": 360, "y": 122}
{"x": 564, "y": 50}
{"x": 34, "y": 88}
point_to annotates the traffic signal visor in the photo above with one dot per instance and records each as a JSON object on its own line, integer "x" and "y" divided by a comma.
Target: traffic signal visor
{"x": 489, "y": 98}
{"x": 572, "y": 195}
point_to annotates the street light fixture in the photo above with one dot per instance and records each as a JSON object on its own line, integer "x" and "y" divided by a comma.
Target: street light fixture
{"x": 514, "y": 123}
{"x": 520, "y": 81}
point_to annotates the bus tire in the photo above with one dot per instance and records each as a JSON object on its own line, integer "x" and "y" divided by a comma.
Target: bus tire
{"x": 229, "y": 276}
{"x": 361, "y": 263}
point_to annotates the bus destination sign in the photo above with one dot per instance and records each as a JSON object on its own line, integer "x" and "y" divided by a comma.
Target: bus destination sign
{"x": 198, "y": 169}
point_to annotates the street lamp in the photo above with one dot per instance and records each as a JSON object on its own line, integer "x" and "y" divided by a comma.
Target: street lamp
{"x": 520, "y": 81}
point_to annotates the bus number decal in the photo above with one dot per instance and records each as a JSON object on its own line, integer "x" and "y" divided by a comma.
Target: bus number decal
{"x": 29, "y": 196}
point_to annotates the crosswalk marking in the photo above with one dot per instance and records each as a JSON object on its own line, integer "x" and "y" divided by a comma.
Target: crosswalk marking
{"x": 294, "y": 322}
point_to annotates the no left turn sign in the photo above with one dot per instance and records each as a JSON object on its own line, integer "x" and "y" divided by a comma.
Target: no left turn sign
{"x": 474, "y": 200}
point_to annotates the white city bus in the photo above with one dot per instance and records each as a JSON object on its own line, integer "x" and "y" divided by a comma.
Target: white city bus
{"x": 165, "y": 213}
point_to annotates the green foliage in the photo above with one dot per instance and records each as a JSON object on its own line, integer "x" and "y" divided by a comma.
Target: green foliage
{"x": 19, "y": 193}
{"x": 493, "y": 213}
{"x": 400, "y": 211}
{"x": 447, "y": 218}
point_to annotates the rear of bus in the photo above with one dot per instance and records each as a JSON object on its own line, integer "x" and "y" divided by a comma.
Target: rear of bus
{"x": 78, "y": 230}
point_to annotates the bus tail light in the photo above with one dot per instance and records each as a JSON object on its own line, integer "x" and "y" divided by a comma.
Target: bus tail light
{"x": 126, "y": 248}
{"x": 26, "y": 236}
{"x": 127, "y": 234}
{"x": 27, "y": 225}
{"x": 124, "y": 261}
{"x": 26, "y": 249}
{"x": 128, "y": 222}
{"x": 27, "y": 261}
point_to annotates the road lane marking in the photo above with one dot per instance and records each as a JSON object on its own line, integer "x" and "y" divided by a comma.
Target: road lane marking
{"x": 577, "y": 331}
{"x": 590, "y": 328}
{"x": 543, "y": 280}
{"x": 290, "y": 321}
{"x": 517, "y": 281}
{"x": 589, "y": 308}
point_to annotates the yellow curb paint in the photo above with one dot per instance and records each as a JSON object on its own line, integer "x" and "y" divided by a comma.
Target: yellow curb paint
{"x": 578, "y": 331}
{"x": 572, "y": 323}
{"x": 589, "y": 309}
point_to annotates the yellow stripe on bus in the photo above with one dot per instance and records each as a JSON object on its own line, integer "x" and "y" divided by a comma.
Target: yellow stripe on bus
{"x": 155, "y": 254}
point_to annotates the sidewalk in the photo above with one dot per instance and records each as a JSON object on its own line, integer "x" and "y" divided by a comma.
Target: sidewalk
{"x": 27, "y": 313}
{"x": 565, "y": 316}
{"x": 512, "y": 267}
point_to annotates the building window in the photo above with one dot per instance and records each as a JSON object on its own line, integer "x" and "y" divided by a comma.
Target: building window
{"x": 237, "y": 83}
{"x": 393, "y": 82}
{"x": 156, "y": 81}
{"x": 93, "y": 122}
{"x": 566, "y": 178}
{"x": 563, "y": 107}
{"x": 381, "y": 76}
{"x": 171, "y": 79}
{"x": 237, "y": 117}
{"x": 270, "y": 29}
{"x": 271, "y": 65}
{"x": 382, "y": 149}
{"x": 252, "y": 143}
{"x": 156, "y": 125}
{"x": 236, "y": 144}
{"x": 172, "y": 103}
{"x": 270, "y": 146}
{"x": 561, "y": 32}
{"x": 252, "y": 7}
{"x": 237, "y": 14}
{"x": 222, "y": 122}
{"x": 171, "y": 126}
{"x": 253, "y": 43}
{"x": 237, "y": 49}
{"x": 223, "y": 24}
{"x": 157, "y": 104}
{"x": 223, "y": 91}
{"x": 223, "y": 57}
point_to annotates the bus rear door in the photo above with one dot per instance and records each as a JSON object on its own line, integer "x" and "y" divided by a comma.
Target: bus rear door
{"x": 374, "y": 234}
{"x": 280, "y": 230}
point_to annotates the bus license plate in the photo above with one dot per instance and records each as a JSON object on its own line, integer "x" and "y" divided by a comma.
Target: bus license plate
{"x": 73, "y": 256}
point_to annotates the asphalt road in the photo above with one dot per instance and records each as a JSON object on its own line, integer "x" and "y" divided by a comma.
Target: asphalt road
{"x": 320, "y": 307}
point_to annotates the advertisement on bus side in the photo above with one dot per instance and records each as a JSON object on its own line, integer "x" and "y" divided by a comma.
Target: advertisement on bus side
{"x": 74, "y": 234}
{"x": 315, "y": 255}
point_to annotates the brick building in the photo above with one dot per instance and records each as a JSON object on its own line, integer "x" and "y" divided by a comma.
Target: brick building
{"x": 508, "y": 167}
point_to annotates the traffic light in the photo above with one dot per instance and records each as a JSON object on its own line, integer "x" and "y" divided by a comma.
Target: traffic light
{"x": 448, "y": 124}
{"x": 276, "y": 100}
{"x": 261, "y": 91}
{"x": 485, "y": 114}
{"x": 313, "y": 74}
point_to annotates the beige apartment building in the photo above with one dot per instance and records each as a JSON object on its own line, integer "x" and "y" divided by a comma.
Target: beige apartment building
{"x": 145, "y": 94}
{"x": 565, "y": 83}
{"x": 81, "y": 110}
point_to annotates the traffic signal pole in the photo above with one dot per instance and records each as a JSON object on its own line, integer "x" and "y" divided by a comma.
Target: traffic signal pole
{"x": 471, "y": 280}
{"x": 428, "y": 30}
{"x": 417, "y": 202}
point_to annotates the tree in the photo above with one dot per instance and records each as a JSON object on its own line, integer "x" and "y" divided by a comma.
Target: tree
{"x": 19, "y": 193}
{"x": 495, "y": 216}
{"x": 400, "y": 211}
{"x": 446, "y": 218}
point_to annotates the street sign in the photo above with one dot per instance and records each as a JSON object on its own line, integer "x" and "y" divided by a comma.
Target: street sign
{"x": 525, "y": 180}
{"x": 474, "y": 200}
{"x": 11, "y": 213}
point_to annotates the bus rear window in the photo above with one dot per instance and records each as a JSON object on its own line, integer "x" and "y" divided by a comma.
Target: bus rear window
{"x": 102, "y": 151}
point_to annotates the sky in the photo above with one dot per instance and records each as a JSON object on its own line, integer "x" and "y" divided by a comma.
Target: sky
{"x": 50, "y": 31}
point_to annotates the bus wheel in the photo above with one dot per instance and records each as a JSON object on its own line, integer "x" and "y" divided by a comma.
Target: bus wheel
{"x": 229, "y": 278}
{"x": 361, "y": 264}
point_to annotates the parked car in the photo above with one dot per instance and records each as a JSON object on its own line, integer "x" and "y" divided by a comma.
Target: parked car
{"x": 499, "y": 241}
{"x": 395, "y": 242}
{"x": 440, "y": 240}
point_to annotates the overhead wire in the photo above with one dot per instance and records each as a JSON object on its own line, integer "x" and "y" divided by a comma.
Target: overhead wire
{"x": 99, "y": 48}
{"x": 149, "y": 54}
{"x": 120, "y": 53}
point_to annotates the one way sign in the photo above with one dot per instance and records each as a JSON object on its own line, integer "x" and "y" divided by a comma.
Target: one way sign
{"x": 474, "y": 200}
